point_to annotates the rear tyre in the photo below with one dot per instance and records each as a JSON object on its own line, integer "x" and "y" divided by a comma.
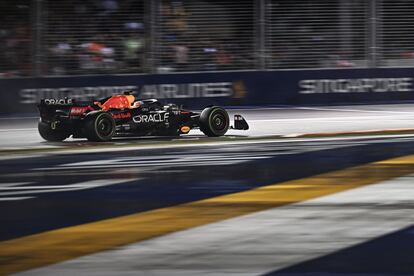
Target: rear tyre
{"x": 214, "y": 121}
{"x": 49, "y": 134}
{"x": 99, "y": 127}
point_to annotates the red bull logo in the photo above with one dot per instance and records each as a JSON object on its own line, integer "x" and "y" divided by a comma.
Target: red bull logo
{"x": 79, "y": 110}
{"x": 122, "y": 115}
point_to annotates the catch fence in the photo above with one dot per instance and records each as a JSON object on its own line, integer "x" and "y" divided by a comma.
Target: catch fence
{"x": 66, "y": 37}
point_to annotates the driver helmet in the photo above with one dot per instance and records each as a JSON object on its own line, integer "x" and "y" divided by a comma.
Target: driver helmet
{"x": 136, "y": 104}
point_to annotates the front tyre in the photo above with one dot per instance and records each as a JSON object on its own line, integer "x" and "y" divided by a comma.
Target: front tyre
{"x": 99, "y": 127}
{"x": 214, "y": 121}
{"x": 50, "y": 134}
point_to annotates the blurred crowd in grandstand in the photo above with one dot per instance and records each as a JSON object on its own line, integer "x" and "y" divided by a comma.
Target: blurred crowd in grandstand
{"x": 15, "y": 39}
{"x": 94, "y": 37}
{"x": 73, "y": 37}
{"x": 14, "y": 52}
{"x": 185, "y": 48}
{"x": 103, "y": 36}
{"x": 80, "y": 37}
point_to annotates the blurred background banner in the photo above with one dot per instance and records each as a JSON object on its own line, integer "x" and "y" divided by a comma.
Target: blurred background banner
{"x": 95, "y": 43}
{"x": 197, "y": 90}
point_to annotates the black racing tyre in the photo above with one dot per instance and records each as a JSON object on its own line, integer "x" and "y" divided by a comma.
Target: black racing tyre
{"x": 214, "y": 121}
{"x": 99, "y": 127}
{"x": 49, "y": 134}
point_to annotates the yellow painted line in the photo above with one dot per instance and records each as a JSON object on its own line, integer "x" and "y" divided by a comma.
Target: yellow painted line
{"x": 72, "y": 242}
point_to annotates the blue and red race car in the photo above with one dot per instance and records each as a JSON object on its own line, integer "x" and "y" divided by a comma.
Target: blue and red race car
{"x": 123, "y": 116}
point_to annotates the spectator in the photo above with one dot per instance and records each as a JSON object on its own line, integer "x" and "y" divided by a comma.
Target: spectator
{"x": 17, "y": 51}
{"x": 181, "y": 57}
{"x": 62, "y": 58}
{"x": 96, "y": 55}
{"x": 133, "y": 49}
{"x": 223, "y": 58}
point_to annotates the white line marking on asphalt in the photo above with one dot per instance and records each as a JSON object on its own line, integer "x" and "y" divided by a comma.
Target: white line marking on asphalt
{"x": 20, "y": 156}
{"x": 333, "y": 119}
{"x": 351, "y": 110}
{"x": 231, "y": 157}
{"x": 15, "y": 198}
{"x": 18, "y": 129}
{"x": 233, "y": 110}
{"x": 264, "y": 140}
{"x": 13, "y": 184}
{"x": 18, "y": 118}
{"x": 64, "y": 188}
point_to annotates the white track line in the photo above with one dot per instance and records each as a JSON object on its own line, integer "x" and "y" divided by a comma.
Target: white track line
{"x": 352, "y": 110}
{"x": 344, "y": 118}
{"x": 34, "y": 190}
{"x": 15, "y": 198}
{"x": 18, "y": 129}
{"x": 18, "y": 118}
{"x": 14, "y": 184}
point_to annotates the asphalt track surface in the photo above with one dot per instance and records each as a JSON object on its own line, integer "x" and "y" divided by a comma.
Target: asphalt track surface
{"x": 242, "y": 205}
{"x": 21, "y": 131}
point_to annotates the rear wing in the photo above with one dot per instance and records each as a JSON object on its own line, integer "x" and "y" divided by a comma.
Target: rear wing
{"x": 50, "y": 108}
{"x": 57, "y": 102}
{"x": 61, "y": 104}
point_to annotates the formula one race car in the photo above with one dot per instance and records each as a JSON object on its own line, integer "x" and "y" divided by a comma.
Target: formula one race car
{"x": 123, "y": 116}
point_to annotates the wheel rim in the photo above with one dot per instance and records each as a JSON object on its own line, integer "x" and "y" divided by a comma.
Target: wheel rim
{"x": 104, "y": 127}
{"x": 219, "y": 122}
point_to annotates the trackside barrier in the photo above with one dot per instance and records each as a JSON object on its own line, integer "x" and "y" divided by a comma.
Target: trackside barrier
{"x": 195, "y": 90}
